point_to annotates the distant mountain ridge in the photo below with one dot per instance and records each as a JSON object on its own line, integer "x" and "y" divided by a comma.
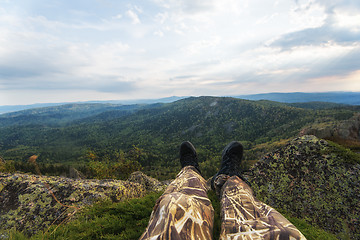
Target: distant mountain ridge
{"x": 15, "y": 108}
{"x": 349, "y": 98}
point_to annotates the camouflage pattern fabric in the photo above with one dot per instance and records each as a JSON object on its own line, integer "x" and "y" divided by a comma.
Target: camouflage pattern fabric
{"x": 245, "y": 217}
{"x": 184, "y": 211}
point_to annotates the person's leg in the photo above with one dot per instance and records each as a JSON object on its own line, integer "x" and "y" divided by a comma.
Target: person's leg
{"x": 183, "y": 211}
{"x": 242, "y": 215}
{"x": 245, "y": 217}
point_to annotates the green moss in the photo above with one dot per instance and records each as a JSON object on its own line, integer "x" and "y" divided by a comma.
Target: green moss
{"x": 345, "y": 155}
{"x": 107, "y": 220}
{"x": 217, "y": 221}
{"x": 128, "y": 220}
{"x": 313, "y": 180}
{"x": 309, "y": 231}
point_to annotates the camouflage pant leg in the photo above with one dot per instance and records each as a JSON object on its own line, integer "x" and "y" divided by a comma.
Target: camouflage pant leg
{"x": 245, "y": 217}
{"x": 184, "y": 211}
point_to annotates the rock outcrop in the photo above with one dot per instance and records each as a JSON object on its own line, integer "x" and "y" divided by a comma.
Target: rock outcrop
{"x": 31, "y": 203}
{"x": 314, "y": 180}
{"x": 150, "y": 184}
{"x": 346, "y": 130}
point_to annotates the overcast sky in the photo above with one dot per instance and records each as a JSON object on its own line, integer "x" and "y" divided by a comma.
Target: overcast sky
{"x": 79, "y": 50}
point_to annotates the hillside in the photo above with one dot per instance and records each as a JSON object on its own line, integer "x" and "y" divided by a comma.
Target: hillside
{"x": 155, "y": 130}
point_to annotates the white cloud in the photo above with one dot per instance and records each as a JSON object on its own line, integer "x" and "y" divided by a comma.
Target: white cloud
{"x": 133, "y": 16}
{"x": 203, "y": 45}
{"x": 159, "y": 33}
{"x": 307, "y": 15}
{"x": 161, "y": 17}
{"x": 118, "y": 16}
{"x": 348, "y": 20}
{"x": 217, "y": 47}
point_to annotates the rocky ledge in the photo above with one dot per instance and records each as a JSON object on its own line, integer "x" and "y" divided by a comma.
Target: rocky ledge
{"x": 346, "y": 129}
{"x": 314, "y": 180}
{"x": 31, "y": 203}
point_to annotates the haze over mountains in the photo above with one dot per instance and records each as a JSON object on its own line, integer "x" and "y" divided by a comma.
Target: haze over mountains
{"x": 351, "y": 98}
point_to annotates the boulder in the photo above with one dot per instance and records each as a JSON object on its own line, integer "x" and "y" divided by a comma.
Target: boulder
{"x": 345, "y": 130}
{"x": 149, "y": 183}
{"x": 31, "y": 203}
{"x": 314, "y": 180}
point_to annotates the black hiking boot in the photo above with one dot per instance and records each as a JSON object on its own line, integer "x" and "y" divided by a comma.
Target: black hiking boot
{"x": 188, "y": 156}
{"x": 231, "y": 160}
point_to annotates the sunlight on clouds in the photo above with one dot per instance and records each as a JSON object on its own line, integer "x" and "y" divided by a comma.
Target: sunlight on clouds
{"x": 350, "y": 82}
{"x": 203, "y": 45}
{"x": 307, "y": 14}
{"x": 345, "y": 20}
{"x": 266, "y": 19}
{"x": 289, "y": 71}
{"x": 354, "y": 81}
{"x": 298, "y": 56}
{"x": 232, "y": 6}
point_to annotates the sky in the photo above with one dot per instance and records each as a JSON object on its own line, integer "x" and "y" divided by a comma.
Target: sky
{"x": 81, "y": 50}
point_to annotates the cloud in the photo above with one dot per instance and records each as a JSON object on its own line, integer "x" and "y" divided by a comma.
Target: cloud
{"x": 187, "y": 6}
{"x": 341, "y": 26}
{"x": 118, "y": 16}
{"x": 11, "y": 72}
{"x": 317, "y": 36}
{"x": 341, "y": 4}
{"x": 31, "y": 59}
{"x": 133, "y": 16}
{"x": 161, "y": 47}
{"x": 110, "y": 84}
{"x": 342, "y": 65}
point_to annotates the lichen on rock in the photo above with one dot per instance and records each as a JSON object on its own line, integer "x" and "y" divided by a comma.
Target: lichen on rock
{"x": 346, "y": 129}
{"x": 31, "y": 203}
{"x": 310, "y": 179}
{"x": 150, "y": 184}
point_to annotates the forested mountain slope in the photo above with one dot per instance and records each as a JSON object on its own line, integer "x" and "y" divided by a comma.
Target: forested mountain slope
{"x": 157, "y": 130}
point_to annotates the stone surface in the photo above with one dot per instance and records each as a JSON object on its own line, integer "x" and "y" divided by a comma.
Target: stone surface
{"x": 312, "y": 179}
{"x": 150, "y": 184}
{"x": 31, "y": 203}
{"x": 346, "y": 130}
